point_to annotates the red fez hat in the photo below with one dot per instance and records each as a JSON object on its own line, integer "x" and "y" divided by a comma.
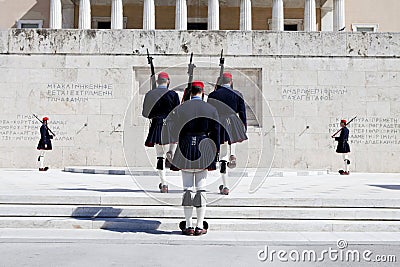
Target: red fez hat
{"x": 198, "y": 84}
{"x": 227, "y": 75}
{"x": 343, "y": 121}
{"x": 163, "y": 75}
{"x": 45, "y": 119}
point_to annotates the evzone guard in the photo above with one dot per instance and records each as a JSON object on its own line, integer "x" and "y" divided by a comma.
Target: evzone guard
{"x": 158, "y": 103}
{"x": 343, "y": 146}
{"x": 44, "y": 142}
{"x": 197, "y": 130}
{"x": 232, "y": 113}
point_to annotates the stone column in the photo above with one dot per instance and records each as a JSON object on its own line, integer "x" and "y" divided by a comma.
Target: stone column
{"x": 117, "y": 15}
{"x": 339, "y": 21}
{"x": 245, "y": 15}
{"x": 213, "y": 14}
{"x": 55, "y": 14}
{"x": 327, "y": 16}
{"x": 181, "y": 15}
{"x": 149, "y": 15}
{"x": 310, "y": 16}
{"x": 277, "y": 16}
{"x": 85, "y": 18}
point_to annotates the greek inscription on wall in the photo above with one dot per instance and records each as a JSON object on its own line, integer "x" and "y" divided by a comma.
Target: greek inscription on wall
{"x": 372, "y": 131}
{"x": 77, "y": 92}
{"x": 312, "y": 94}
{"x": 26, "y": 128}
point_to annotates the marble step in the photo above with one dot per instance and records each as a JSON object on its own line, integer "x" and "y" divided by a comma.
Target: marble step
{"x": 238, "y": 172}
{"x": 213, "y": 199}
{"x": 157, "y": 225}
{"x": 287, "y": 213}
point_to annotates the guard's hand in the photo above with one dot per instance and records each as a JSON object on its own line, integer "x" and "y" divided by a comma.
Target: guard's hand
{"x": 51, "y": 137}
{"x": 217, "y": 157}
{"x": 45, "y": 145}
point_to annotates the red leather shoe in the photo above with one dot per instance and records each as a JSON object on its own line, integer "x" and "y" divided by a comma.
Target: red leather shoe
{"x": 163, "y": 188}
{"x": 223, "y": 190}
{"x": 200, "y": 231}
{"x": 188, "y": 231}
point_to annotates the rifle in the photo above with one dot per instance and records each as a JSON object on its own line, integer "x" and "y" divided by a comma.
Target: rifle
{"x": 191, "y": 66}
{"x": 338, "y": 131}
{"x": 221, "y": 71}
{"x": 46, "y": 125}
{"x": 153, "y": 74}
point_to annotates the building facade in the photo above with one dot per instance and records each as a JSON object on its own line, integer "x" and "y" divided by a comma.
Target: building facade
{"x": 276, "y": 15}
{"x": 297, "y": 85}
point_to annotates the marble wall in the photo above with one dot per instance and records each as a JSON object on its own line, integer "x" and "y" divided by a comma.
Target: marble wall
{"x": 297, "y": 87}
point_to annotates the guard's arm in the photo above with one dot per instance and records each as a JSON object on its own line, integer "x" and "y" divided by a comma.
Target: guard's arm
{"x": 341, "y": 137}
{"x": 146, "y": 107}
{"x": 242, "y": 110}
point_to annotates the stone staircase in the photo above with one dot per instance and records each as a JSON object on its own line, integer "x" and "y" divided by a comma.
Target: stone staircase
{"x": 142, "y": 213}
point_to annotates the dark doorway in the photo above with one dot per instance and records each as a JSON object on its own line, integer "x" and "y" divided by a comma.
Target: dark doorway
{"x": 104, "y": 25}
{"x": 290, "y": 27}
{"x": 197, "y": 26}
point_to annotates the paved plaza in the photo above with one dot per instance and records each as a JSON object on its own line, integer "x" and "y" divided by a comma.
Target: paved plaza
{"x": 79, "y": 219}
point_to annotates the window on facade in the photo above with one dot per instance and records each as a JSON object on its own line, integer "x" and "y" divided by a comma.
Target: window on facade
{"x": 29, "y": 24}
{"x": 197, "y": 26}
{"x": 289, "y": 24}
{"x": 364, "y": 27}
{"x": 290, "y": 27}
{"x": 104, "y": 23}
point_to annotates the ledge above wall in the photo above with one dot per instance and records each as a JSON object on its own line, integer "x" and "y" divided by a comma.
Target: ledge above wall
{"x": 206, "y": 43}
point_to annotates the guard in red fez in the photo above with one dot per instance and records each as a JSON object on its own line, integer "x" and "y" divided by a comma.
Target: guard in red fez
{"x": 197, "y": 128}
{"x": 44, "y": 143}
{"x": 158, "y": 103}
{"x": 232, "y": 113}
{"x": 343, "y": 147}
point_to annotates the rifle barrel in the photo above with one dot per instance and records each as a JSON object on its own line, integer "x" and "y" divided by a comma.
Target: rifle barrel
{"x": 338, "y": 131}
{"x": 221, "y": 71}
{"x": 153, "y": 74}
{"x": 191, "y": 66}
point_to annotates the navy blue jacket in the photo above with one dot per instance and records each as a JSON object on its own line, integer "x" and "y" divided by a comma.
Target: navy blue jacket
{"x": 194, "y": 121}
{"x": 233, "y": 100}
{"x": 343, "y": 146}
{"x": 45, "y": 138}
{"x": 158, "y": 103}
{"x": 201, "y": 118}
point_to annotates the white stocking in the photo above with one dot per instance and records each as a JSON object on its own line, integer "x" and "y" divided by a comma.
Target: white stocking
{"x": 41, "y": 158}
{"x": 345, "y": 159}
{"x": 172, "y": 148}
{"x": 188, "y": 183}
{"x": 233, "y": 149}
{"x": 188, "y": 211}
{"x": 161, "y": 154}
{"x": 224, "y": 155}
{"x": 200, "y": 179}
